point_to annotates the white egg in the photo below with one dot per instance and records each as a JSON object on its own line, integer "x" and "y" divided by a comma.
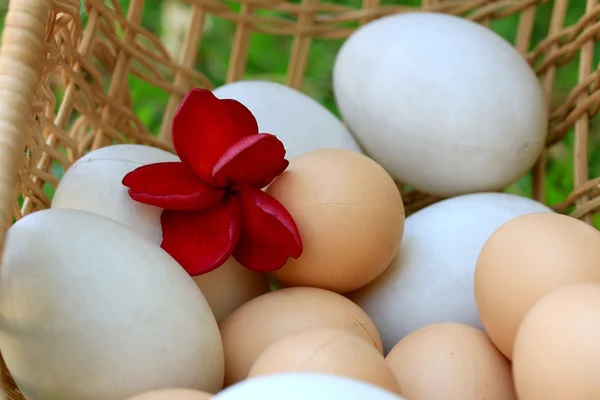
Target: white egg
{"x": 91, "y": 310}
{"x": 304, "y": 386}
{"x": 229, "y": 286}
{"x": 297, "y": 120}
{"x": 93, "y": 183}
{"x": 137, "y": 153}
{"x": 431, "y": 280}
{"x": 444, "y": 104}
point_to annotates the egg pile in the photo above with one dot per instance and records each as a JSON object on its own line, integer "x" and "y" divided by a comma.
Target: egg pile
{"x": 484, "y": 295}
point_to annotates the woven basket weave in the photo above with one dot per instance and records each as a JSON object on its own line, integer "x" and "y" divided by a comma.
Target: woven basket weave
{"x": 64, "y": 83}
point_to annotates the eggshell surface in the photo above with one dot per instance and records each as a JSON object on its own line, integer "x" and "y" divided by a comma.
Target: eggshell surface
{"x": 431, "y": 280}
{"x": 451, "y": 361}
{"x": 525, "y": 259}
{"x": 173, "y": 394}
{"x": 350, "y": 216}
{"x": 229, "y": 286}
{"x": 303, "y": 386}
{"x": 329, "y": 351}
{"x": 98, "y": 311}
{"x": 250, "y": 329}
{"x": 296, "y": 119}
{"x": 93, "y": 183}
{"x": 446, "y": 105}
{"x": 557, "y": 351}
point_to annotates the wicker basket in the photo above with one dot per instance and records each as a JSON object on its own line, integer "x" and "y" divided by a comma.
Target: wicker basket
{"x": 64, "y": 73}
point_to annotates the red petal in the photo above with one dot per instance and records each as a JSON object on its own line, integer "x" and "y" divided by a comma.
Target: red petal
{"x": 204, "y": 127}
{"x": 269, "y": 234}
{"x": 201, "y": 241}
{"x": 170, "y": 185}
{"x": 254, "y": 160}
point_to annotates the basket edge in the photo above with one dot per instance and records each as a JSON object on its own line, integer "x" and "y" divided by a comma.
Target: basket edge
{"x": 22, "y": 53}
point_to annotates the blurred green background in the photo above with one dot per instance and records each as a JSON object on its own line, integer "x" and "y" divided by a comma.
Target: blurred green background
{"x": 268, "y": 59}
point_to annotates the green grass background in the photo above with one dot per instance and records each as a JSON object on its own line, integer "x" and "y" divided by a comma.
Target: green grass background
{"x": 268, "y": 59}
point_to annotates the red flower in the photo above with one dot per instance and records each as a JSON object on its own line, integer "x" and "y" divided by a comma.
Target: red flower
{"x": 212, "y": 199}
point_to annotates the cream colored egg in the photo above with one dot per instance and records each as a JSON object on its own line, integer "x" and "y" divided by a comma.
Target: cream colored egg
{"x": 92, "y": 310}
{"x": 304, "y": 386}
{"x": 451, "y": 361}
{"x": 93, "y": 183}
{"x": 297, "y": 120}
{"x": 349, "y": 213}
{"x": 525, "y": 259}
{"x": 173, "y": 394}
{"x": 444, "y": 104}
{"x": 431, "y": 280}
{"x": 253, "y": 327}
{"x": 327, "y": 351}
{"x": 229, "y": 286}
{"x": 557, "y": 351}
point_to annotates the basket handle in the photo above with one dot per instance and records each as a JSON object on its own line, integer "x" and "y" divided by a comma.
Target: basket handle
{"x": 22, "y": 53}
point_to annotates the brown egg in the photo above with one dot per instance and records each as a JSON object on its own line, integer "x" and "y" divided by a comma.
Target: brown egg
{"x": 328, "y": 351}
{"x": 229, "y": 286}
{"x": 349, "y": 213}
{"x": 253, "y": 327}
{"x": 525, "y": 259}
{"x": 557, "y": 348}
{"x": 173, "y": 394}
{"x": 450, "y": 361}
